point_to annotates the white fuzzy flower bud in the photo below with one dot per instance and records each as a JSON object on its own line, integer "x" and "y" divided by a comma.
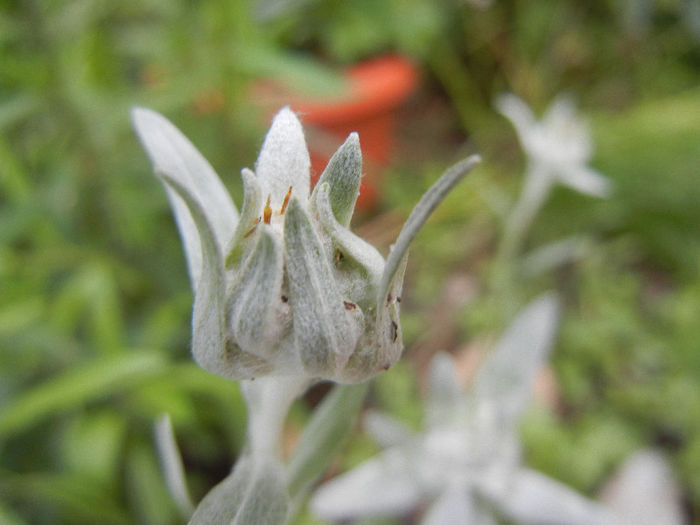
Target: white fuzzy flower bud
{"x": 286, "y": 288}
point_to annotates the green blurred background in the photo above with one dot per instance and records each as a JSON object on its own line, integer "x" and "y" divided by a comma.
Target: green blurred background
{"x": 94, "y": 295}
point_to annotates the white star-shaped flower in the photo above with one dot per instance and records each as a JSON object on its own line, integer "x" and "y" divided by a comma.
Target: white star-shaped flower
{"x": 465, "y": 468}
{"x": 559, "y": 146}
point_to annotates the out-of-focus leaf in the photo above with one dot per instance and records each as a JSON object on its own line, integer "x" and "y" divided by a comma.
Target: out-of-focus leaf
{"x": 78, "y": 496}
{"x": 92, "y": 295}
{"x": 20, "y": 315}
{"x": 323, "y": 436}
{"x": 16, "y": 109}
{"x": 310, "y": 77}
{"x": 94, "y": 380}
{"x": 146, "y": 491}
{"x": 171, "y": 465}
{"x": 14, "y": 181}
{"x": 93, "y": 443}
{"x": 652, "y": 150}
{"x": 8, "y": 517}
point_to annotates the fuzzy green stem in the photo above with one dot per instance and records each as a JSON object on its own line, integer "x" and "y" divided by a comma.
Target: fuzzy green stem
{"x": 268, "y": 400}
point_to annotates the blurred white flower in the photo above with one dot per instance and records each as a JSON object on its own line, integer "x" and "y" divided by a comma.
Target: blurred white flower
{"x": 466, "y": 465}
{"x": 558, "y": 149}
{"x": 559, "y": 146}
{"x": 285, "y": 289}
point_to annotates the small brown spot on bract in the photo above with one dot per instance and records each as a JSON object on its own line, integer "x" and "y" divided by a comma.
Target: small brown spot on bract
{"x": 386, "y": 366}
{"x": 285, "y": 298}
{"x": 339, "y": 256}
{"x": 230, "y": 346}
{"x": 388, "y": 299}
{"x": 257, "y": 221}
{"x": 349, "y": 306}
{"x": 394, "y": 331}
{"x": 398, "y": 299}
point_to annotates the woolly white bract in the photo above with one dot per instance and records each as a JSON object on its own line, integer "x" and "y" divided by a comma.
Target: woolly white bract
{"x": 285, "y": 288}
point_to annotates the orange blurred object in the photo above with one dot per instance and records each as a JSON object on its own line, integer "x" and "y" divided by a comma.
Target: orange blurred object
{"x": 375, "y": 89}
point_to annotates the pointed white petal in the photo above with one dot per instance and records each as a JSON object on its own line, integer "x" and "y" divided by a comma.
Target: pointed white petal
{"x": 586, "y": 180}
{"x": 645, "y": 491}
{"x": 444, "y": 390}
{"x": 343, "y": 175}
{"x": 519, "y": 114}
{"x": 171, "y": 153}
{"x": 384, "y": 486}
{"x": 506, "y": 379}
{"x": 284, "y": 160}
{"x": 386, "y": 430}
{"x": 568, "y": 129}
{"x": 457, "y": 505}
{"x": 535, "y": 499}
{"x": 561, "y": 113}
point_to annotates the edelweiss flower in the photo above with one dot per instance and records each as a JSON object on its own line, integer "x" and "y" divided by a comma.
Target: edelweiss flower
{"x": 285, "y": 288}
{"x": 467, "y": 462}
{"x": 558, "y": 147}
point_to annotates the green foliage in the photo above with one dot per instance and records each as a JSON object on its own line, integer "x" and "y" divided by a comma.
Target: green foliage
{"x": 94, "y": 301}
{"x": 94, "y": 306}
